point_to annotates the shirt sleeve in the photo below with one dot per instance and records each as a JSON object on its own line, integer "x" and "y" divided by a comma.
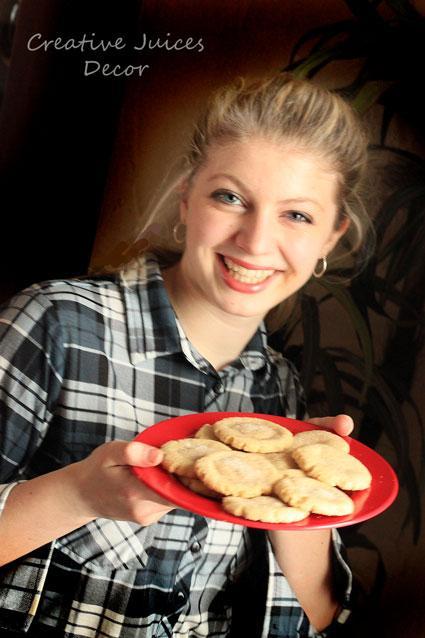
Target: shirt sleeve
{"x": 31, "y": 372}
{"x": 4, "y": 493}
{"x": 31, "y": 367}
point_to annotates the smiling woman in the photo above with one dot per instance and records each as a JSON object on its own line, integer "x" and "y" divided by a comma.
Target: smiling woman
{"x": 286, "y": 159}
{"x": 247, "y": 247}
{"x": 265, "y": 194}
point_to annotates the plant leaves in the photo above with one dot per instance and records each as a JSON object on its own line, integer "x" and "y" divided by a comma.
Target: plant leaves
{"x": 368, "y": 95}
{"x": 332, "y": 380}
{"x": 323, "y": 34}
{"x": 361, "y": 328}
{"x": 305, "y": 68}
{"x": 352, "y": 539}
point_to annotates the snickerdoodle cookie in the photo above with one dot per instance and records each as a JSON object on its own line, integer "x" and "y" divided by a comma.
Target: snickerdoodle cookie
{"x": 180, "y": 455}
{"x": 253, "y": 434}
{"x": 310, "y": 437}
{"x": 332, "y": 466}
{"x": 268, "y": 509}
{"x": 237, "y": 473}
{"x": 313, "y": 496}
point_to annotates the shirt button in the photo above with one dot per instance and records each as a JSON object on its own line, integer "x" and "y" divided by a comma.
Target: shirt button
{"x": 180, "y": 596}
{"x": 195, "y": 547}
{"x": 218, "y": 388}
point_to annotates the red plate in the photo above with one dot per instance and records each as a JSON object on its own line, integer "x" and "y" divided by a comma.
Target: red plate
{"x": 367, "y": 503}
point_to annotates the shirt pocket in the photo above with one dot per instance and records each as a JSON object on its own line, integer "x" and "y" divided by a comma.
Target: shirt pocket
{"x": 108, "y": 544}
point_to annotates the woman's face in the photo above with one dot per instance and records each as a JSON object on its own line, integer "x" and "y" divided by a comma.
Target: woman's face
{"x": 258, "y": 217}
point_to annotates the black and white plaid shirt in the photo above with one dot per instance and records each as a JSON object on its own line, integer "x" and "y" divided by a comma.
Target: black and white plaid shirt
{"x": 96, "y": 359}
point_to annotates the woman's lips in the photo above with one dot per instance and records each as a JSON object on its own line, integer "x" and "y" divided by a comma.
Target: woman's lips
{"x": 243, "y": 278}
{"x": 246, "y": 265}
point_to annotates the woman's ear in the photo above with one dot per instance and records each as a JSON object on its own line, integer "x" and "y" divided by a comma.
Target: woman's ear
{"x": 183, "y": 192}
{"x": 336, "y": 234}
{"x": 183, "y": 211}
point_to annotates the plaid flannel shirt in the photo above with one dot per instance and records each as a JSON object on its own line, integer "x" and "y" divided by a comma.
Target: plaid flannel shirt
{"x": 91, "y": 360}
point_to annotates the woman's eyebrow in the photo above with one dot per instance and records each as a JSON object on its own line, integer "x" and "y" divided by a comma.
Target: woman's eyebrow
{"x": 289, "y": 200}
{"x": 231, "y": 177}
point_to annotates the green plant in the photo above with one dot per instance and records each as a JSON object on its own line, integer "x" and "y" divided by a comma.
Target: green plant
{"x": 387, "y": 39}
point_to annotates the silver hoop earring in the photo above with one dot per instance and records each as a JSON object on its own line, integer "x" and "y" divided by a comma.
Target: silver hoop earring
{"x": 179, "y": 239}
{"x": 319, "y": 273}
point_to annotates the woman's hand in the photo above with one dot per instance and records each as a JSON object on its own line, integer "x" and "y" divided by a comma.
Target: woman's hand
{"x": 341, "y": 424}
{"x": 102, "y": 485}
{"x": 106, "y": 487}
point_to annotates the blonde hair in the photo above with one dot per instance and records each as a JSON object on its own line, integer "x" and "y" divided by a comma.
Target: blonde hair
{"x": 282, "y": 109}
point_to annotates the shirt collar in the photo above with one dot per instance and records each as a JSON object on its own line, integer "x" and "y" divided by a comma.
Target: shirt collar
{"x": 151, "y": 321}
{"x": 153, "y": 328}
{"x": 254, "y": 355}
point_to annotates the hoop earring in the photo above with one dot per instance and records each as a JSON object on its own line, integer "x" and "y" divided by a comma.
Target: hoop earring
{"x": 176, "y": 228}
{"x": 319, "y": 273}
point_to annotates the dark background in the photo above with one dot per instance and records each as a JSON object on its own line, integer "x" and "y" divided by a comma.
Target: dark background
{"x": 57, "y": 128}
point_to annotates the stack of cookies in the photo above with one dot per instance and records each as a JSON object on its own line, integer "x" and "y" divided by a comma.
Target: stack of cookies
{"x": 262, "y": 472}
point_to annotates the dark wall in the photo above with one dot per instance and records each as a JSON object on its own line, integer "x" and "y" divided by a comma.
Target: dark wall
{"x": 56, "y": 133}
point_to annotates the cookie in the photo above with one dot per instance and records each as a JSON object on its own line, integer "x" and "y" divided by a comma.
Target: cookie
{"x": 197, "y": 486}
{"x": 281, "y": 460}
{"x": 236, "y": 473}
{"x": 206, "y": 432}
{"x": 313, "y": 496}
{"x": 180, "y": 455}
{"x": 310, "y": 437}
{"x": 252, "y": 434}
{"x": 332, "y": 466}
{"x": 268, "y": 509}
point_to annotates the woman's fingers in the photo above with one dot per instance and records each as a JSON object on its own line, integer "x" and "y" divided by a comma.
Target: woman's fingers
{"x": 341, "y": 424}
{"x": 142, "y": 455}
{"x": 107, "y": 488}
{"x": 131, "y": 453}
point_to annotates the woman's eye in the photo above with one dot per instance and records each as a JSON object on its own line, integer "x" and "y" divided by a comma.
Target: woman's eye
{"x": 297, "y": 216}
{"x": 227, "y": 197}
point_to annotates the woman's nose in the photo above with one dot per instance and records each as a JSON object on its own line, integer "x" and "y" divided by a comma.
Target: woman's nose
{"x": 255, "y": 234}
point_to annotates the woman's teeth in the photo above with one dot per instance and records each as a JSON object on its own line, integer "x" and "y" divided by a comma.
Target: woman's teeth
{"x": 246, "y": 275}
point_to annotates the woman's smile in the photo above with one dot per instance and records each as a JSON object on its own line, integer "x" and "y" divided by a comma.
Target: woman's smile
{"x": 244, "y": 278}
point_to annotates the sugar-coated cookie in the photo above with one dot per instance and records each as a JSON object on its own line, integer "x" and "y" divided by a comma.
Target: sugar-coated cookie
{"x": 268, "y": 509}
{"x": 313, "y": 496}
{"x": 252, "y": 434}
{"x": 236, "y": 473}
{"x": 310, "y": 437}
{"x": 180, "y": 455}
{"x": 332, "y": 466}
